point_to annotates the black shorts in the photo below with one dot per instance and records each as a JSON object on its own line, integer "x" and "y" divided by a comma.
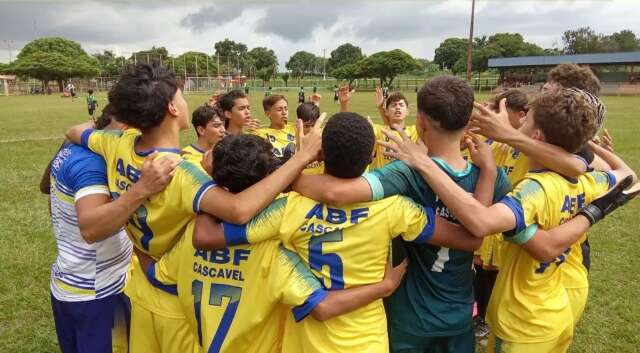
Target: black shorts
{"x": 300, "y": 100}
{"x": 91, "y": 111}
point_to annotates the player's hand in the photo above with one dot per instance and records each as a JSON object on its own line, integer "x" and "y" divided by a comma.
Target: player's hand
{"x": 379, "y": 97}
{"x": 315, "y": 98}
{"x": 393, "y": 276}
{"x": 480, "y": 152}
{"x": 252, "y": 124}
{"x": 156, "y": 173}
{"x": 606, "y": 141}
{"x": 403, "y": 148}
{"x": 308, "y": 146}
{"x": 607, "y": 203}
{"x": 491, "y": 124}
{"x": 344, "y": 95}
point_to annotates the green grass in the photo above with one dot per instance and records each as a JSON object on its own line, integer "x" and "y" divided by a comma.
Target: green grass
{"x": 611, "y": 322}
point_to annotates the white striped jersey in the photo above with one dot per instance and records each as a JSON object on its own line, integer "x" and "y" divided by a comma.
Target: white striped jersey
{"x": 83, "y": 271}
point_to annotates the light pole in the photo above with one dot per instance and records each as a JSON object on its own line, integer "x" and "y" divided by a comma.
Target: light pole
{"x": 470, "y": 44}
{"x": 324, "y": 65}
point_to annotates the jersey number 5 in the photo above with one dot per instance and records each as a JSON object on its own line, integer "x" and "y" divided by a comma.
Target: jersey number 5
{"x": 217, "y": 292}
{"x": 317, "y": 259}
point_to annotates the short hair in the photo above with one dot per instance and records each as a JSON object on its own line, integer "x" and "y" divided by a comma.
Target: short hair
{"x": 347, "y": 144}
{"x": 90, "y": 91}
{"x": 308, "y": 112}
{"x": 240, "y": 161}
{"x": 395, "y": 97}
{"x": 517, "y": 100}
{"x": 270, "y": 101}
{"x": 105, "y": 118}
{"x": 447, "y": 100}
{"x": 203, "y": 115}
{"x": 576, "y": 76}
{"x": 142, "y": 94}
{"x": 228, "y": 100}
{"x": 565, "y": 117}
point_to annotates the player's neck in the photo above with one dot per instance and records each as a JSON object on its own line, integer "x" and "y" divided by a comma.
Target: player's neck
{"x": 203, "y": 145}
{"x": 445, "y": 147}
{"x": 163, "y": 136}
{"x": 234, "y": 130}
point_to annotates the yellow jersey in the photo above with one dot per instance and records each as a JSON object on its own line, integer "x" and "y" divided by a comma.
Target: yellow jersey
{"x": 529, "y": 302}
{"x": 158, "y": 224}
{"x": 232, "y": 297}
{"x": 344, "y": 247}
{"x": 193, "y": 153}
{"x": 279, "y": 138}
{"x": 314, "y": 168}
{"x": 379, "y": 159}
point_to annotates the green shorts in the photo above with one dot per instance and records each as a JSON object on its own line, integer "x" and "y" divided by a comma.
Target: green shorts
{"x": 403, "y": 342}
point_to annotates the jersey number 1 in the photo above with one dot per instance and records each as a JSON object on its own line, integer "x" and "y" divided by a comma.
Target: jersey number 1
{"x": 217, "y": 292}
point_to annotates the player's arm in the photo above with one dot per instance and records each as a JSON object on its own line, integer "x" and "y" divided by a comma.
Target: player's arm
{"x": 482, "y": 157}
{"x": 380, "y": 106}
{"x": 241, "y": 207}
{"x": 344, "y": 95}
{"x": 618, "y": 167}
{"x": 99, "y": 217}
{"x": 332, "y": 190}
{"x": 74, "y": 134}
{"x": 162, "y": 273}
{"x": 208, "y": 233}
{"x": 497, "y": 126}
{"x": 339, "y": 302}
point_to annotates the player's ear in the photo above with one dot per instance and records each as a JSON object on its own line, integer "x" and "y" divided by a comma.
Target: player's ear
{"x": 201, "y": 130}
{"x": 538, "y": 135}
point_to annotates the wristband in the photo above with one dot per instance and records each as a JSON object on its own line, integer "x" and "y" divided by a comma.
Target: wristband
{"x": 593, "y": 213}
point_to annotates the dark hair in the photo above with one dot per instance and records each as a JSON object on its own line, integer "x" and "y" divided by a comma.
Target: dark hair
{"x": 142, "y": 94}
{"x": 240, "y": 161}
{"x": 90, "y": 91}
{"x": 447, "y": 100}
{"x": 575, "y": 76}
{"x": 516, "y": 100}
{"x": 395, "y": 97}
{"x": 308, "y": 112}
{"x": 347, "y": 144}
{"x": 565, "y": 117}
{"x": 228, "y": 100}
{"x": 270, "y": 101}
{"x": 105, "y": 118}
{"x": 203, "y": 115}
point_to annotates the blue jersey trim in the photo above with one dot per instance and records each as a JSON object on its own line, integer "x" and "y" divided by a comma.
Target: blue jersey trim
{"x": 235, "y": 234}
{"x": 429, "y": 228}
{"x": 612, "y": 179}
{"x": 518, "y": 212}
{"x": 203, "y": 188}
{"x": 302, "y": 311}
{"x": 195, "y": 147}
{"x": 454, "y": 173}
{"x": 377, "y": 190}
{"x": 523, "y": 236}
{"x": 84, "y": 138}
{"x": 151, "y": 276}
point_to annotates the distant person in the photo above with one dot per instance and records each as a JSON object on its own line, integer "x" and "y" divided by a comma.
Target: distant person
{"x": 385, "y": 92}
{"x": 335, "y": 94}
{"x": 92, "y": 103}
{"x": 315, "y": 88}
{"x": 246, "y": 89}
{"x": 267, "y": 93}
{"x": 301, "y": 95}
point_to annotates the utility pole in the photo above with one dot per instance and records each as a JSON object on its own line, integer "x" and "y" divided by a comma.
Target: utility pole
{"x": 9, "y": 44}
{"x": 196, "y": 65}
{"x": 324, "y": 65}
{"x": 470, "y": 44}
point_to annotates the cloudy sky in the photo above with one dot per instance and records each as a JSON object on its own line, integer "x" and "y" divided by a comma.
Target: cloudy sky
{"x": 287, "y": 26}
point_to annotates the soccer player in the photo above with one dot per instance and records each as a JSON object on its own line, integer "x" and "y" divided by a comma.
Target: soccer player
{"x": 147, "y": 97}
{"x": 432, "y": 309}
{"x": 237, "y": 112}
{"x": 90, "y": 310}
{"x": 281, "y": 135}
{"x": 254, "y": 278}
{"x": 309, "y": 113}
{"x": 529, "y": 310}
{"x": 347, "y": 246}
{"x": 301, "y": 95}
{"x": 92, "y": 103}
{"x": 209, "y": 127}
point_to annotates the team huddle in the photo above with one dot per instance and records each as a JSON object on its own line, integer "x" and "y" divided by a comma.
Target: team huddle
{"x": 330, "y": 234}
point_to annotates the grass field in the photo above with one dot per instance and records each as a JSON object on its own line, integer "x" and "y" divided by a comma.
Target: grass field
{"x": 30, "y": 132}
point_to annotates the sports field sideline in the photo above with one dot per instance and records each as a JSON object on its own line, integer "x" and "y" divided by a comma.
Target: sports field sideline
{"x": 31, "y": 130}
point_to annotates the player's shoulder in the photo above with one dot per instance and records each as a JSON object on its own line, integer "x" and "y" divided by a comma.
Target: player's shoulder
{"x": 190, "y": 168}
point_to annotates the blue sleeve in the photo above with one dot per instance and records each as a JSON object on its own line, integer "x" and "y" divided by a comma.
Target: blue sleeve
{"x": 302, "y": 311}
{"x": 84, "y": 139}
{"x": 235, "y": 234}
{"x": 502, "y": 186}
{"x": 87, "y": 171}
{"x": 427, "y": 233}
{"x": 151, "y": 276}
{"x": 515, "y": 207}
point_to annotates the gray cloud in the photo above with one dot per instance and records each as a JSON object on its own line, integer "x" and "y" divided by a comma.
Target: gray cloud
{"x": 213, "y": 15}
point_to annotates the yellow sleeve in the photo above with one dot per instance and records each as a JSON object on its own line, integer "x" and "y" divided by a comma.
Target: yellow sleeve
{"x": 599, "y": 182}
{"x": 412, "y": 221}
{"x": 294, "y": 283}
{"x": 100, "y": 141}
{"x": 259, "y": 132}
{"x": 264, "y": 226}
{"x": 189, "y": 184}
{"x": 163, "y": 274}
{"x": 527, "y": 202}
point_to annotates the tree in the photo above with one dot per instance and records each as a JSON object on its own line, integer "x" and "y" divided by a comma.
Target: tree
{"x": 54, "y": 59}
{"x": 450, "y": 51}
{"x": 228, "y": 48}
{"x": 349, "y": 72}
{"x": 580, "y": 41}
{"x": 344, "y": 55}
{"x": 285, "y": 78}
{"x": 159, "y": 53}
{"x": 386, "y": 65}
{"x": 301, "y": 63}
{"x": 620, "y": 41}
{"x": 196, "y": 64}
{"x": 109, "y": 63}
{"x": 265, "y": 74}
{"x": 262, "y": 57}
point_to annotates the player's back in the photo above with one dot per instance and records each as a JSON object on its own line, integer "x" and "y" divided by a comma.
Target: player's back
{"x": 529, "y": 291}
{"x": 233, "y": 297}
{"x": 345, "y": 247}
